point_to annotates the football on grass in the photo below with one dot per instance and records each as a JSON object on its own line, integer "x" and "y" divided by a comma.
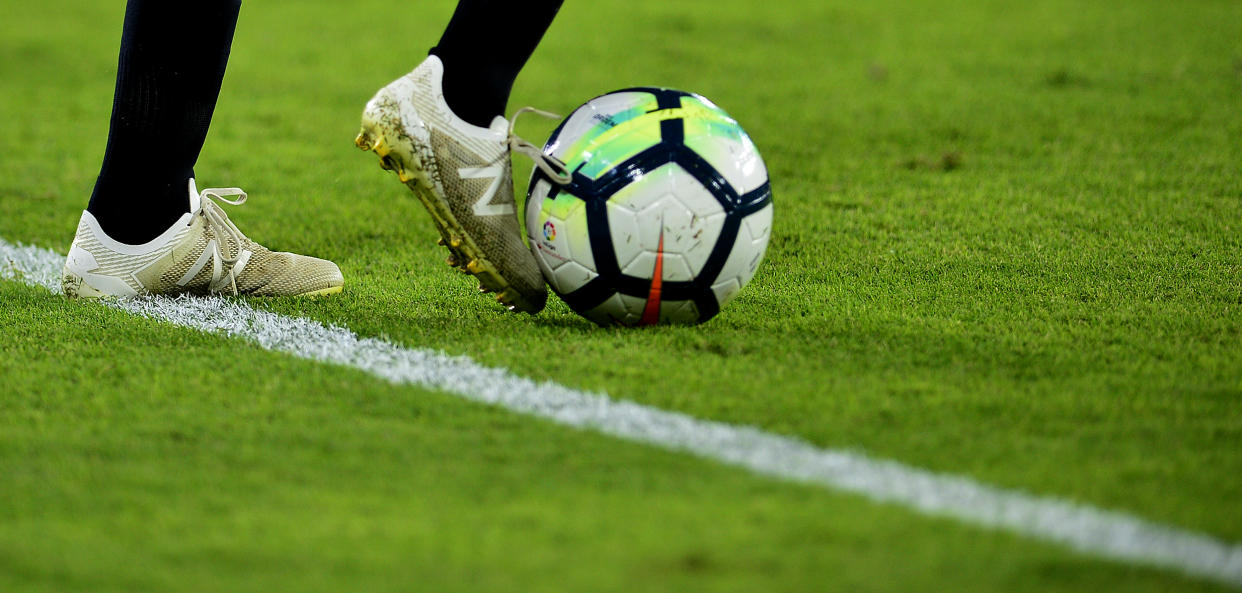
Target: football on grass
{"x": 664, "y": 215}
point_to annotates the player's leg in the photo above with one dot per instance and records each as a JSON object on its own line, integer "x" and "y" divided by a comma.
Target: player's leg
{"x": 147, "y": 229}
{"x": 172, "y": 61}
{"x": 484, "y": 47}
{"x": 442, "y": 129}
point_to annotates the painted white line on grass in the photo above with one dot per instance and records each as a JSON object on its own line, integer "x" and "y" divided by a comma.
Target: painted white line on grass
{"x": 1087, "y": 529}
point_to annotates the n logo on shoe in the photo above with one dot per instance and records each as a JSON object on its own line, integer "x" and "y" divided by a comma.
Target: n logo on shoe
{"x": 218, "y": 278}
{"x": 484, "y": 207}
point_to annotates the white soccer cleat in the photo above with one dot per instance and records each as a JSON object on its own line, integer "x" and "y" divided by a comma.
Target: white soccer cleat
{"x": 202, "y": 253}
{"x": 463, "y": 175}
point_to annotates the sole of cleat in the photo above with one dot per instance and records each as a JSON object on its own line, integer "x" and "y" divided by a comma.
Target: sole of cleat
{"x": 75, "y": 288}
{"x": 397, "y": 154}
{"x": 322, "y": 293}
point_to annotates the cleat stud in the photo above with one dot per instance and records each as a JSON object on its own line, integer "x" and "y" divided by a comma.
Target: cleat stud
{"x": 362, "y": 141}
{"x": 452, "y": 261}
{"x": 456, "y": 243}
{"x": 513, "y": 308}
{"x": 474, "y": 267}
{"x": 440, "y": 241}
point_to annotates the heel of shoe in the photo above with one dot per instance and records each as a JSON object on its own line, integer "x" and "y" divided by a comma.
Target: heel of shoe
{"x": 396, "y": 151}
{"x": 75, "y": 287}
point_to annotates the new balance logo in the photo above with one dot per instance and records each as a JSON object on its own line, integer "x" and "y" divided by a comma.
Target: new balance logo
{"x": 484, "y": 207}
{"x": 219, "y": 279}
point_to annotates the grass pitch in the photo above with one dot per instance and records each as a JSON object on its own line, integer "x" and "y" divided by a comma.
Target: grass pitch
{"x": 1006, "y": 246}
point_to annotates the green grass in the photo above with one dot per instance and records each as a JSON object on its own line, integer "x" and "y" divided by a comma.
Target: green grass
{"x": 1007, "y": 246}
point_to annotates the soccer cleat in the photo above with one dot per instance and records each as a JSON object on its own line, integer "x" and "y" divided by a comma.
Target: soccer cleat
{"x": 463, "y": 176}
{"x": 202, "y": 253}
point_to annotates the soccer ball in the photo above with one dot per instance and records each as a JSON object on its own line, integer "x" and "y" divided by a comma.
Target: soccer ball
{"x": 666, "y": 217}
{"x": 667, "y": 213}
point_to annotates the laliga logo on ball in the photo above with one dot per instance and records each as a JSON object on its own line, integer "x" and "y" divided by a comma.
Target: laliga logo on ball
{"x": 549, "y": 231}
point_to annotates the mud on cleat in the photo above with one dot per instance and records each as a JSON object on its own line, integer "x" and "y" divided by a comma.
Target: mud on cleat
{"x": 463, "y": 175}
{"x": 202, "y": 253}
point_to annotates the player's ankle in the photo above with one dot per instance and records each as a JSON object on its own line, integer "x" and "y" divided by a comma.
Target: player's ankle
{"x": 469, "y": 95}
{"x": 136, "y": 214}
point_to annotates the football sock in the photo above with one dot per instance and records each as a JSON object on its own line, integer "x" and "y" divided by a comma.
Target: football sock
{"x": 484, "y": 47}
{"x": 172, "y": 61}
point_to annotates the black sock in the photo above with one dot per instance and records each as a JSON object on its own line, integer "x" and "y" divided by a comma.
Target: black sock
{"x": 173, "y": 56}
{"x": 484, "y": 47}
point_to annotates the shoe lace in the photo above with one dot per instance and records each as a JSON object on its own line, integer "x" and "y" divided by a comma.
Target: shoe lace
{"x": 550, "y": 165}
{"x": 220, "y": 225}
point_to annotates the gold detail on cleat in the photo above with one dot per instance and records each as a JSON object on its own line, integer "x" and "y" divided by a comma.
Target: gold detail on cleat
{"x": 325, "y": 292}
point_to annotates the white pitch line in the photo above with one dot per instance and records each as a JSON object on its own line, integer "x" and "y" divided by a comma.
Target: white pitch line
{"x": 1084, "y": 528}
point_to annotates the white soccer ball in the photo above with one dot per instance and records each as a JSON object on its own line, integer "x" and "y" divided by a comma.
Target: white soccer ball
{"x": 667, "y": 215}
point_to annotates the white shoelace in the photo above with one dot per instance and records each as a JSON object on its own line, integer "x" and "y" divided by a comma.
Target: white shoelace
{"x": 221, "y": 226}
{"x": 553, "y": 168}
